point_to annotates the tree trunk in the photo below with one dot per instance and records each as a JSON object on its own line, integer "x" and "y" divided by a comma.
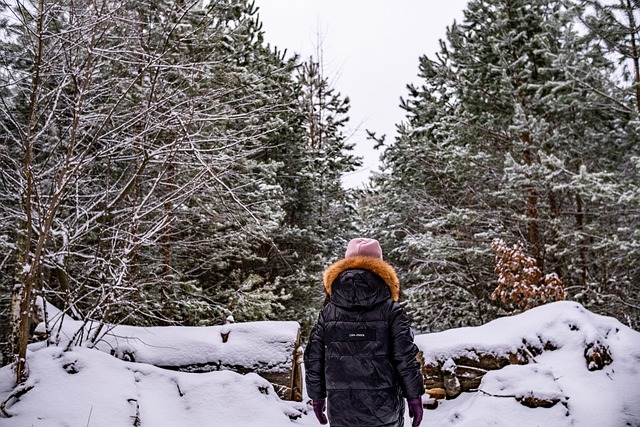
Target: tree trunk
{"x": 21, "y": 296}
{"x": 581, "y": 251}
{"x": 552, "y": 235}
{"x": 168, "y": 211}
{"x": 21, "y": 302}
{"x": 635, "y": 51}
{"x": 532, "y": 206}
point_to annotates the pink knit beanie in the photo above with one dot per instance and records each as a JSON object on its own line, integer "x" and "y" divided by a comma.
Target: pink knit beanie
{"x": 362, "y": 246}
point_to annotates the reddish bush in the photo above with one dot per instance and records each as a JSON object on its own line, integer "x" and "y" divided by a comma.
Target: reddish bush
{"x": 521, "y": 283}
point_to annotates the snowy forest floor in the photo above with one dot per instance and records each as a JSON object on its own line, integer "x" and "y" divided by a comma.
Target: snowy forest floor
{"x": 86, "y": 387}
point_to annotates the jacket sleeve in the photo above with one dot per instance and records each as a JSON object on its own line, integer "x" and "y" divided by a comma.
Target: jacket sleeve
{"x": 404, "y": 352}
{"x": 314, "y": 361}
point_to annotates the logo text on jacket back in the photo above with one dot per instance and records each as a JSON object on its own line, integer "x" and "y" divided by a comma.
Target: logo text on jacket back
{"x": 355, "y": 335}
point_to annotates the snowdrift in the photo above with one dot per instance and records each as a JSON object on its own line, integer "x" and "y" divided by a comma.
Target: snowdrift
{"x": 558, "y": 365}
{"x": 270, "y": 349}
{"x": 85, "y": 387}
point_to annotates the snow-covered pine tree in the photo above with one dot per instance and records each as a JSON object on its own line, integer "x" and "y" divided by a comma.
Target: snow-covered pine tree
{"x": 226, "y": 240}
{"x": 517, "y": 133}
{"x": 320, "y": 213}
{"x": 426, "y": 208}
{"x": 617, "y": 26}
{"x": 614, "y": 28}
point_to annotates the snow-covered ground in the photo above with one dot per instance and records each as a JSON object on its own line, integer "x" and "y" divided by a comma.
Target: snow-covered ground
{"x": 607, "y": 397}
{"x": 84, "y": 387}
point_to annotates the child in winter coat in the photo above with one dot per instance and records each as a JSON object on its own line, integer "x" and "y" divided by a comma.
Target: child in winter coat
{"x": 361, "y": 355}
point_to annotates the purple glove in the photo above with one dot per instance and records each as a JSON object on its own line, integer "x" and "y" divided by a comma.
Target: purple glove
{"x": 415, "y": 410}
{"x": 319, "y": 405}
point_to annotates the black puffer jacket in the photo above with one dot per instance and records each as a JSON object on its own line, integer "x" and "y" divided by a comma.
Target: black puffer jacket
{"x": 361, "y": 354}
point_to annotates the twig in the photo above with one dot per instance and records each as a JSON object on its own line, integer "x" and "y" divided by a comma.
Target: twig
{"x": 496, "y": 395}
{"x": 15, "y": 395}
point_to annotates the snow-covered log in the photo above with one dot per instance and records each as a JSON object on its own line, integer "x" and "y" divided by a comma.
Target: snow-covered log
{"x": 270, "y": 348}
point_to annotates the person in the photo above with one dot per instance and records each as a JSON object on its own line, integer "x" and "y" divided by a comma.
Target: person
{"x": 360, "y": 361}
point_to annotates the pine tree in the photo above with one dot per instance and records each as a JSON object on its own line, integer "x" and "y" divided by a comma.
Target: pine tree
{"x": 425, "y": 208}
{"x": 517, "y": 132}
{"x": 618, "y": 27}
{"x": 320, "y": 213}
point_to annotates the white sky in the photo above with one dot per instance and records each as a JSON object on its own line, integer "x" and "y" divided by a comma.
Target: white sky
{"x": 370, "y": 53}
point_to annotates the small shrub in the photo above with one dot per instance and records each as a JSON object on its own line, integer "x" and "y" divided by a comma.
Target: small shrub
{"x": 521, "y": 284}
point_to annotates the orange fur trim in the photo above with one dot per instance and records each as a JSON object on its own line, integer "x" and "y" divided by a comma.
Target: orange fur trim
{"x": 375, "y": 265}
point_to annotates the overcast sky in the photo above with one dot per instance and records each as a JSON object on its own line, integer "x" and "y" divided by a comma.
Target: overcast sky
{"x": 370, "y": 53}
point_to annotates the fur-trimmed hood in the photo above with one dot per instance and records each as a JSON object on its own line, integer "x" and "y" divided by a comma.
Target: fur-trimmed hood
{"x": 375, "y": 265}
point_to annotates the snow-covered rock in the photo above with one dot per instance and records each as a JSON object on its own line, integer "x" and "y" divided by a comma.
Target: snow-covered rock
{"x": 558, "y": 362}
{"x": 555, "y": 385}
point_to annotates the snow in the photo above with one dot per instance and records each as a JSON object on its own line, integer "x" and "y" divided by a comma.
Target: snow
{"x": 87, "y": 387}
{"x": 606, "y": 397}
{"x": 523, "y": 382}
{"x": 267, "y": 346}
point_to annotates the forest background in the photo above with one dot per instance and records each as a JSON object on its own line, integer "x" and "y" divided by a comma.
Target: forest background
{"x": 161, "y": 163}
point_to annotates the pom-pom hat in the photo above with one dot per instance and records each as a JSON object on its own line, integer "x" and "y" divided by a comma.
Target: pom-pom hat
{"x": 363, "y": 246}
